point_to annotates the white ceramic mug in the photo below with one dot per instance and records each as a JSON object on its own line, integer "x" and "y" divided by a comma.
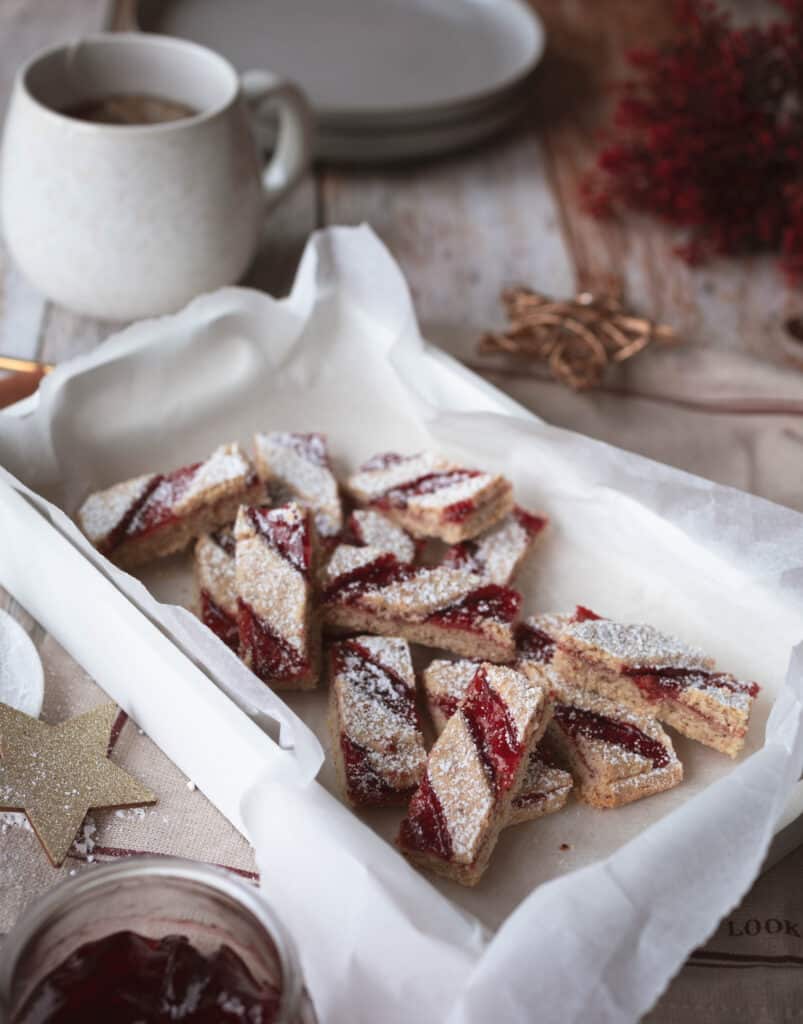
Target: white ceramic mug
{"x": 126, "y": 221}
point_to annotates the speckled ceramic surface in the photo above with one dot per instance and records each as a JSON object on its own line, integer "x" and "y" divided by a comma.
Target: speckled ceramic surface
{"x": 129, "y": 221}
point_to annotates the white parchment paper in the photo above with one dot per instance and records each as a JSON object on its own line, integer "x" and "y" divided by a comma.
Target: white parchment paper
{"x": 584, "y": 915}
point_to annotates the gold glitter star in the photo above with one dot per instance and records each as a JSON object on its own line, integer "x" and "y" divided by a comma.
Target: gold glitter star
{"x": 56, "y": 773}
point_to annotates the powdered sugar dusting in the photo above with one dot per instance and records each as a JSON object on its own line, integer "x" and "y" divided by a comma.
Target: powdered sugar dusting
{"x": 227, "y": 467}
{"x": 14, "y": 819}
{"x": 84, "y": 842}
{"x": 637, "y": 645}
{"x": 216, "y": 573}
{"x": 542, "y": 778}
{"x": 551, "y": 623}
{"x": 610, "y": 759}
{"x": 392, "y": 652}
{"x": 103, "y": 510}
{"x": 382, "y": 474}
{"x": 376, "y": 709}
{"x": 461, "y": 785}
{"x": 496, "y": 554}
{"x": 464, "y": 488}
{"x": 271, "y": 585}
{"x": 735, "y": 696}
{"x": 525, "y": 699}
{"x": 348, "y": 557}
{"x": 374, "y": 530}
{"x": 449, "y": 679}
{"x": 428, "y": 591}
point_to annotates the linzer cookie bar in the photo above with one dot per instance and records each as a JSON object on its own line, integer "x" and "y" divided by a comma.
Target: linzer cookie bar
{"x": 497, "y": 554}
{"x": 432, "y": 497}
{"x": 615, "y": 755}
{"x": 546, "y": 786}
{"x": 367, "y": 528}
{"x": 160, "y": 513}
{"x": 296, "y": 466}
{"x": 216, "y": 581}
{"x": 278, "y": 625}
{"x": 370, "y": 591}
{"x": 377, "y": 744}
{"x": 658, "y": 675}
{"x": 474, "y": 770}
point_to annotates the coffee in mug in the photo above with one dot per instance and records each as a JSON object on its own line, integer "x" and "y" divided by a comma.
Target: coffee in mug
{"x": 133, "y": 109}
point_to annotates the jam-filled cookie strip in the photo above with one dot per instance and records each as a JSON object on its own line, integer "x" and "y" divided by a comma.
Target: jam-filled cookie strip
{"x": 158, "y": 514}
{"x": 473, "y": 772}
{"x": 366, "y": 590}
{"x": 377, "y": 743}
{"x": 431, "y": 496}
{"x": 279, "y": 627}
{"x": 658, "y": 675}
{"x": 546, "y": 786}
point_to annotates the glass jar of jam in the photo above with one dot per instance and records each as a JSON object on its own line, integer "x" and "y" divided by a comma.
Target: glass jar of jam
{"x": 151, "y": 939}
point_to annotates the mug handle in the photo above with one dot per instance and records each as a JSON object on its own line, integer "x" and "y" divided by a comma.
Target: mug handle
{"x": 263, "y": 91}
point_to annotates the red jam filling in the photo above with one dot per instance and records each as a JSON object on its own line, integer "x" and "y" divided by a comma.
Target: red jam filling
{"x": 493, "y": 732}
{"x": 219, "y": 621}
{"x": 153, "y": 509}
{"x": 582, "y": 614}
{"x": 447, "y": 703}
{"x": 349, "y": 586}
{"x": 425, "y": 829}
{"x": 574, "y": 720}
{"x": 311, "y": 447}
{"x": 527, "y": 521}
{"x": 270, "y": 655}
{"x": 377, "y": 681}
{"x": 500, "y": 604}
{"x": 366, "y": 786}
{"x": 657, "y": 683}
{"x": 458, "y": 512}
{"x": 430, "y": 483}
{"x": 288, "y": 535}
{"x": 158, "y": 509}
{"x": 534, "y": 644}
{"x": 126, "y": 978}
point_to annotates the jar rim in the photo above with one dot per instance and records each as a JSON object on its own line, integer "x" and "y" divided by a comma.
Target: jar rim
{"x": 89, "y": 883}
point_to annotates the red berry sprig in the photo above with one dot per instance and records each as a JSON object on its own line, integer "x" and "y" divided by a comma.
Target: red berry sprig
{"x": 708, "y": 136}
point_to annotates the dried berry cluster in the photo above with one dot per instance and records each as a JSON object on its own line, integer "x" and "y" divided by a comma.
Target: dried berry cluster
{"x": 709, "y": 136}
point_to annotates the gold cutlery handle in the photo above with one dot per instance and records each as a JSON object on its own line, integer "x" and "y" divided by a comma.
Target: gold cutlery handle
{"x": 14, "y": 365}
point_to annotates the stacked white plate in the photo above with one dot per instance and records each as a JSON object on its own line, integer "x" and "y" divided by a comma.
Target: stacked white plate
{"x": 389, "y": 79}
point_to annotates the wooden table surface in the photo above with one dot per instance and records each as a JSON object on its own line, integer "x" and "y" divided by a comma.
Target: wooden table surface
{"x": 728, "y": 404}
